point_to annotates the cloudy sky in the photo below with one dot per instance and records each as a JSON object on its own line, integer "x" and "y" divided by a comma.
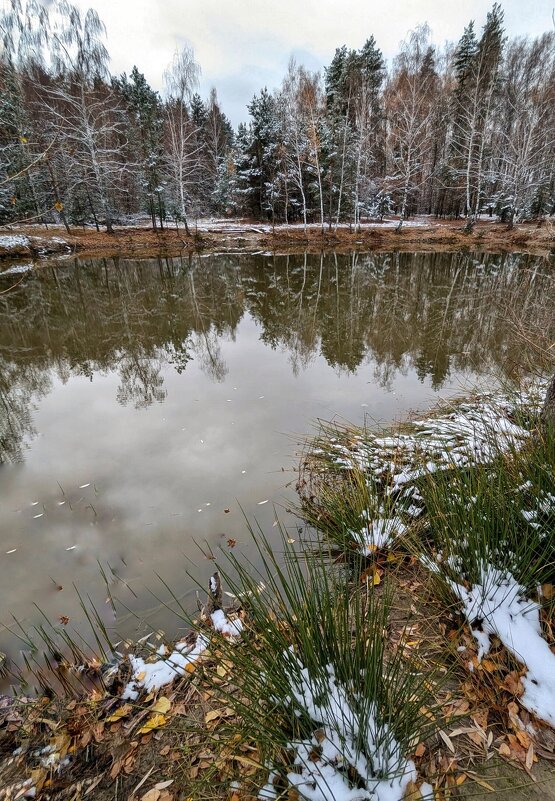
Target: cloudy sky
{"x": 243, "y": 45}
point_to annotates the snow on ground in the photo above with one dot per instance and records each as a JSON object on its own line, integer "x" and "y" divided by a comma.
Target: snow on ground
{"x": 498, "y": 606}
{"x": 151, "y": 676}
{"x": 9, "y": 241}
{"x": 18, "y": 268}
{"x": 350, "y": 757}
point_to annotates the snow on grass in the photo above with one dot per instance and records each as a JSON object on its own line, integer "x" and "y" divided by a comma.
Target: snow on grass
{"x": 475, "y": 432}
{"x": 498, "y": 605}
{"x": 151, "y": 676}
{"x": 351, "y": 755}
{"x": 378, "y": 532}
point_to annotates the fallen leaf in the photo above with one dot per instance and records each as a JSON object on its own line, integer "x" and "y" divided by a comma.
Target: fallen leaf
{"x": 151, "y": 795}
{"x": 447, "y": 741}
{"x": 162, "y": 705}
{"x": 529, "y": 757}
{"x": 523, "y": 738}
{"x": 483, "y": 783}
{"x": 214, "y": 714}
{"x": 122, "y": 712}
{"x": 155, "y": 722}
{"x": 163, "y": 785}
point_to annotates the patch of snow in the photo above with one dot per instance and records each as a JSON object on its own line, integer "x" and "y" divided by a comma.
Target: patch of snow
{"x": 18, "y": 268}
{"x": 350, "y": 757}
{"x": 379, "y": 533}
{"x": 151, "y": 676}
{"x": 12, "y": 241}
{"x": 229, "y": 628}
{"x": 498, "y": 606}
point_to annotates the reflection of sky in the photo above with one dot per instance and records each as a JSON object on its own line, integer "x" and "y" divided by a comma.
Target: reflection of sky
{"x": 209, "y": 446}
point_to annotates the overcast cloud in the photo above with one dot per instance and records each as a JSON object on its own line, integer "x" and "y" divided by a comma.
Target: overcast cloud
{"x": 243, "y": 45}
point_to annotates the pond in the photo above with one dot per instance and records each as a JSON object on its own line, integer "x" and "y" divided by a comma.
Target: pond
{"x": 147, "y": 406}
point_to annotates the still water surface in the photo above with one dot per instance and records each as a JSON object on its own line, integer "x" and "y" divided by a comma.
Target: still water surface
{"x": 141, "y": 400}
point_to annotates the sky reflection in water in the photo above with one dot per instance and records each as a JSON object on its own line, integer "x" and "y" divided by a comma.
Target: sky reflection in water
{"x": 144, "y": 398}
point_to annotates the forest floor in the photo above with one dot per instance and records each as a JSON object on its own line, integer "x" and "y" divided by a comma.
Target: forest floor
{"x": 238, "y": 236}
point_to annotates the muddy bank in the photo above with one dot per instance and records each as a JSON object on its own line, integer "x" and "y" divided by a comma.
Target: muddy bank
{"x": 245, "y": 236}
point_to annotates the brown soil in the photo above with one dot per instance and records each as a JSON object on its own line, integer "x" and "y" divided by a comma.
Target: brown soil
{"x": 246, "y": 236}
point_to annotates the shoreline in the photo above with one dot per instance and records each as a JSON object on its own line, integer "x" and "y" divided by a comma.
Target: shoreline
{"x": 111, "y": 740}
{"x": 240, "y": 236}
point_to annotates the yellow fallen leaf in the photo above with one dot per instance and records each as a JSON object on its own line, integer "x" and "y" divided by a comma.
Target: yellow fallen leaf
{"x": 486, "y": 785}
{"x": 162, "y": 705}
{"x": 155, "y": 722}
{"x": 122, "y": 712}
{"x": 190, "y": 667}
{"x": 212, "y": 715}
{"x": 140, "y": 676}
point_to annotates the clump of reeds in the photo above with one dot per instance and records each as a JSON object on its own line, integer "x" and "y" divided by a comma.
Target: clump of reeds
{"x": 332, "y": 707}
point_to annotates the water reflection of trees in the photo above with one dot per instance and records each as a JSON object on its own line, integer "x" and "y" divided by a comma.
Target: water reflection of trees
{"x": 20, "y": 386}
{"x": 433, "y": 313}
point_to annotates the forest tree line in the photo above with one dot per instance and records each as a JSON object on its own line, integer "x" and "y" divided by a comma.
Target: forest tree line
{"x": 458, "y": 131}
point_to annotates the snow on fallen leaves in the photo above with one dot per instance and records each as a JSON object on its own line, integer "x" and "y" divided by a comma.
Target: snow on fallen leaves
{"x": 151, "y": 676}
